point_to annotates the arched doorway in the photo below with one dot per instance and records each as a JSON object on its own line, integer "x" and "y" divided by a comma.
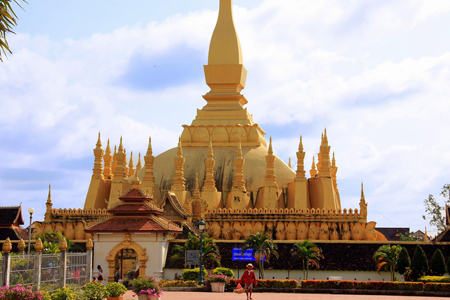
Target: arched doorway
{"x": 127, "y": 262}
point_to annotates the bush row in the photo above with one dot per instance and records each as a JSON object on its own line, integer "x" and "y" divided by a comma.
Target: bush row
{"x": 177, "y": 283}
{"x": 375, "y": 285}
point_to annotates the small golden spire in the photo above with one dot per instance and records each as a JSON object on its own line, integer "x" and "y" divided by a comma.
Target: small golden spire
{"x": 210, "y": 149}
{"x": 108, "y": 149}
{"x": 290, "y": 166}
{"x": 131, "y": 165}
{"x": 149, "y": 149}
{"x": 239, "y": 150}
{"x": 121, "y": 146}
{"x": 139, "y": 164}
{"x": 136, "y": 183}
{"x": 21, "y": 246}
{"x": 425, "y": 238}
{"x": 180, "y": 150}
{"x": 115, "y": 151}
{"x": 313, "y": 170}
{"x": 270, "y": 147}
{"x": 7, "y": 247}
{"x": 99, "y": 142}
{"x": 362, "y": 192}
{"x": 196, "y": 188}
{"x": 49, "y": 197}
{"x": 333, "y": 162}
{"x": 325, "y": 138}
{"x": 300, "y": 146}
{"x": 89, "y": 244}
{"x": 38, "y": 247}
{"x": 63, "y": 244}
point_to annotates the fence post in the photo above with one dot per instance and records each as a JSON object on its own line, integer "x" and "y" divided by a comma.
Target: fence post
{"x": 38, "y": 247}
{"x": 89, "y": 246}
{"x": 63, "y": 263}
{"x": 6, "y": 263}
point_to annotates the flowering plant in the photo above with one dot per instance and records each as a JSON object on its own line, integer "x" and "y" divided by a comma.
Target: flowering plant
{"x": 116, "y": 289}
{"x": 95, "y": 291}
{"x": 217, "y": 278}
{"x": 19, "y": 292}
{"x": 64, "y": 294}
{"x": 146, "y": 285}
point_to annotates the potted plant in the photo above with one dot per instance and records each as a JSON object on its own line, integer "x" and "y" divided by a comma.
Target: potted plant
{"x": 95, "y": 291}
{"x": 115, "y": 290}
{"x": 217, "y": 282}
{"x": 146, "y": 288}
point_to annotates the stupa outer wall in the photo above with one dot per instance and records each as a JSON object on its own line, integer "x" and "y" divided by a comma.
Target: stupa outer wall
{"x": 338, "y": 256}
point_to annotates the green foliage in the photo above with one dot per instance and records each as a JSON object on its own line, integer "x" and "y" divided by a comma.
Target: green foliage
{"x": 116, "y": 289}
{"x": 95, "y": 291}
{"x": 426, "y": 279}
{"x": 7, "y": 22}
{"x": 308, "y": 253}
{"x": 437, "y": 265}
{"x": 263, "y": 246}
{"x": 409, "y": 237}
{"x": 386, "y": 257}
{"x": 20, "y": 292}
{"x": 277, "y": 283}
{"x": 143, "y": 283}
{"x": 435, "y": 210}
{"x": 210, "y": 251}
{"x": 437, "y": 287}
{"x": 403, "y": 261}
{"x": 419, "y": 262}
{"x": 50, "y": 241}
{"x": 192, "y": 274}
{"x": 223, "y": 271}
{"x": 177, "y": 283}
{"x": 64, "y": 294}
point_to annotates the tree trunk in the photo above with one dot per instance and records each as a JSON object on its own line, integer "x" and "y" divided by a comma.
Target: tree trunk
{"x": 262, "y": 269}
{"x": 304, "y": 270}
{"x": 307, "y": 269}
{"x": 392, "y": 272}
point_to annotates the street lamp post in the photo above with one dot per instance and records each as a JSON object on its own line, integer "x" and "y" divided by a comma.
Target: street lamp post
{"x": 31, "y": 211}
{"x": 201, "y": 226}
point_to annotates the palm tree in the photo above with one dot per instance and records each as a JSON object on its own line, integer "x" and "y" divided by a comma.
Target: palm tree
{"x": 7, "y": 22}
{"x": 309, "y": 254}
{"x": 263, "y": 246}
{"x": 210, "y": 251}
{"x": 387, "y": 256}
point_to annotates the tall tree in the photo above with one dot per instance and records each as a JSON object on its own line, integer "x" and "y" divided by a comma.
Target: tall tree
{"x": 210, "y": 251}
{"x": 263, "y": 247}
{"x": 420, "y": 262}
{"x": 387, "y": 257}
{"x": 403, "y": 261}
{"x": 437, "y": 265}
{"x": 308, "y": 253}
{"x": 435, "y": 210}
{"x": 7, "y": 22}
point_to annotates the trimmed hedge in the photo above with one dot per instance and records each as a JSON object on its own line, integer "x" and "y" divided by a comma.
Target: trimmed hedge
{"x": 192, "y": 274}
{"x": 437, "y": 265}
{"x": 442, "y": 279}
{"x": 177, "y": 283}
{"x": 362, "y": 285}
{"x": 437, "y": 287}
{"x": 223, "y": 271}
{"x": 277, "y": 283}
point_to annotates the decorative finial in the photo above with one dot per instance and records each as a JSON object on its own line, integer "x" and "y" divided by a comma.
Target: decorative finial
{"x": 21, "y": 246}
{"x": 425, "y": 238}
{"x": 139, "y": 164}
{"x": 120, "y": 146}
{"x": 38, "y": 247}
{"x": 333, "y": 161}
{"x": 239, "y": 150}
{"x": 7, "y": 247}
{"x": 136, "y": 183}
{"x": 89, "y": 244}
{"x": 49, "y": 197}
{"x": 115, "y": 150}
{"x": 270, "y": 147}
{"x": 300, "y": 146}
{"x": 108, "y": 149}
{"x": 313, "y": 170}
{"x": 210, "y": 148}
{"x": 362, "y": 191}
{"x": 180, "y": 150}
{"x": 149, "y": 149}
{"x": 63, "y": 244}
{"x": 99, "y": 142}
{"x": 290, "y": 166}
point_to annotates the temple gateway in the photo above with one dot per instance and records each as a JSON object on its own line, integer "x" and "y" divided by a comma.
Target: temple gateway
{"x": 223, "y": 170}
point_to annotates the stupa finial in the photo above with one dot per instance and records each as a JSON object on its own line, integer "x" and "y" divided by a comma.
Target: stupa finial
{"x": 120, "y": 146}
{"x": 99, "y": 142}
{"x": 49, "y": 197}
{"x": 270, "y": 147}
{"x": 149, "y": 149}
{"x": 300, "y": 145}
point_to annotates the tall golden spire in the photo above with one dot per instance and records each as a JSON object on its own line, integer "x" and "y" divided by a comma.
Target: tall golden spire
{"x": 270, "y": 178}
{"x": 131, "y": 165}
{"x": 334, "y": 169}
{"x": 313, "y": 171}
{"x": 239, "y": 182}
{"x": 363, "y": 203}
{"x": 196, "y": 188}
{"x": 139, "y": 164}
{"x": 120, "y": 171}
{"x": 290, "y": 165}
{"x": 149, "y": 179}
{"x": 324, "y": 157}
{"x": 107, "y": 158}
{"x": 209, "y": 184}
{"x": 114, "y": 161}
{"x": 98, "y": 161}
{"x": 300, "y": 173}
{"x": 49, "y": 205}
{"x": 178, "y": 180}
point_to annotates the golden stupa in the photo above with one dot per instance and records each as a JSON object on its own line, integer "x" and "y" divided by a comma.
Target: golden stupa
{"x": 224, "y": 170}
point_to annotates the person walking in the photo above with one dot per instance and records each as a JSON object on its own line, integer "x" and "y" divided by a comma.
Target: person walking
{"x": 100, "y": 274}
{"x": 249, "y": 280}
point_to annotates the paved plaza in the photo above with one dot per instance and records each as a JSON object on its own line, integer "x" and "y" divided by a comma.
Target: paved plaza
{"x": 272, "y": 296}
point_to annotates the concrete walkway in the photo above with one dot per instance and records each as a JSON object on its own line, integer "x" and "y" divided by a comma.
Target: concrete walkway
{"x": 271, "y": 296}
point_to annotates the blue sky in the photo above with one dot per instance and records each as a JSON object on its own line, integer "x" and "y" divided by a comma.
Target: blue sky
{"x": 374, "y": 73}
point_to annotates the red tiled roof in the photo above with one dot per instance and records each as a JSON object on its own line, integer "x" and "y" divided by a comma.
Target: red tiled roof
{"x": 133, "y": 195}
{"x": 131, "y": 207}
{"x": 173, "y": 200}
{"x": 149, "y": 224}
{"x": 11, "y": 215}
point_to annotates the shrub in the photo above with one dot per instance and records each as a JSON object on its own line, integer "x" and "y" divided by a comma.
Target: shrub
{"x": 319, "y": 284}
{"x": 116, "y": 289}
{"x": 146, "y": 285}
{"x": 95, "y": 291}
{"x": 420, "y": 262}
{"x": 437, "y": 265}
{"x": 177, "y": 283}
{"x": 426, "y": 279}
{"x": 403, "y": 261}
{"x": 64, "y": 294}
{"x": 19, "y": 292}
{"x": 223, "y": 271}
{"x": 217, "y": 278}
{"x": 437, "y": 287}
{"x": 389, "y": 285}
{"x": 192, "y": 274}
{"x": 277, "y": 283}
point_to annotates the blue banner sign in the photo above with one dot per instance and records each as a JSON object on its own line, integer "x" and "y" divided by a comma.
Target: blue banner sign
{"x": 247, "y": 255}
